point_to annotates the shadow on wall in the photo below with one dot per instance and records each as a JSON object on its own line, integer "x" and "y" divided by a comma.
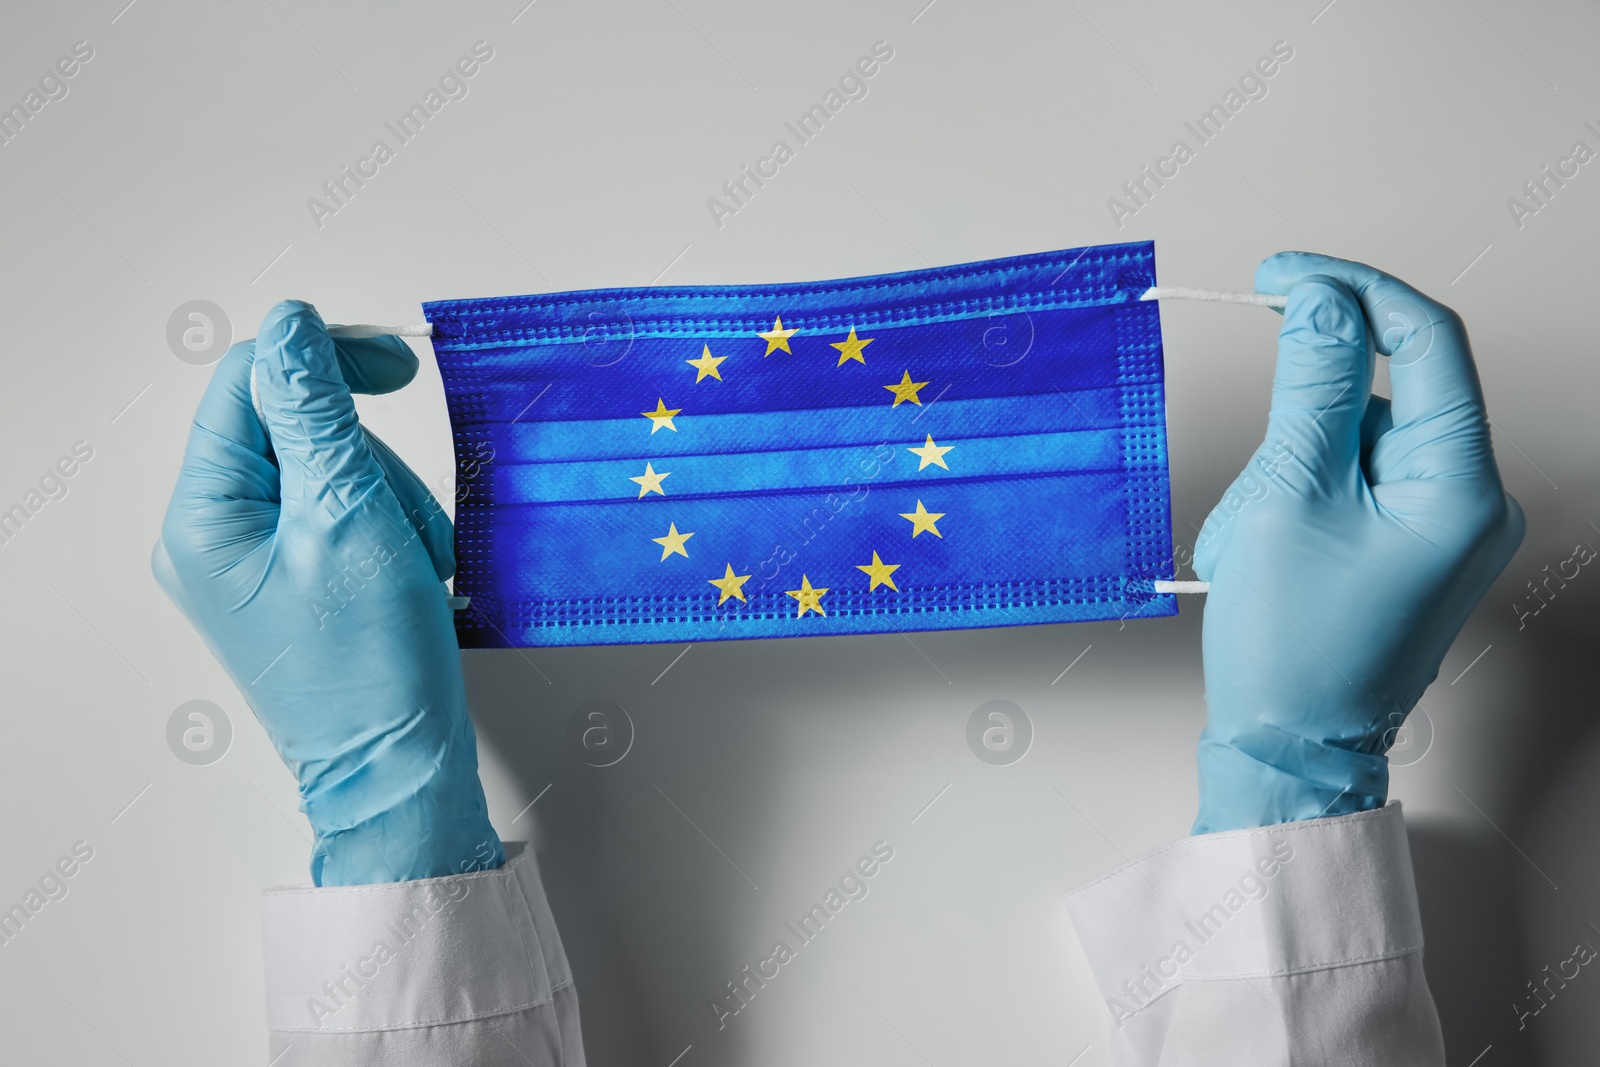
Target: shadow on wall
{"x": 1559, "y": 827}
{"x": 1498, "y": 916}
{"x": 756, "y": 762}
{"x": 650, "y": 869}
{"x": 517, "y": 712}
{"x": 650, "y": 915}
{"x": 1471, "y": 923}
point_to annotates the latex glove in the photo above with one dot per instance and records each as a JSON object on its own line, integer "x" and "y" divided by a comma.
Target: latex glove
{"x": 312, "y": 563}
{"x": 1347, "y": 556}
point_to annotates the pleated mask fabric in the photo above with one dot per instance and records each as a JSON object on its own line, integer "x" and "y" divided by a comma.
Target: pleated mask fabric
{"x": 965, "y": 446}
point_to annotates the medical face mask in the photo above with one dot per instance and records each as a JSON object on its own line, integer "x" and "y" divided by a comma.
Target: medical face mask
{"x": 966, "y": 446}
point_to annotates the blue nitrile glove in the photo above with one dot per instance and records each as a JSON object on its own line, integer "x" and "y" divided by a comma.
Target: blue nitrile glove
{"x": 311, "y": 562}
{"x": 1347, "y": 556}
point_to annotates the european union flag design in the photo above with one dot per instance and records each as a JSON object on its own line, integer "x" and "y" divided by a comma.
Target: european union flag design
{"x": 966, "y": 446}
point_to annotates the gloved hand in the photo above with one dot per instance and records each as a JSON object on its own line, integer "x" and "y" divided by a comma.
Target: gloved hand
{"x": 311, "y": 561}
{"x": 1347, "y": 556}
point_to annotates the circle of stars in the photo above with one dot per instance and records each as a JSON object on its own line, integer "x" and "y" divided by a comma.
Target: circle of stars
{"x": 808, "y": 597}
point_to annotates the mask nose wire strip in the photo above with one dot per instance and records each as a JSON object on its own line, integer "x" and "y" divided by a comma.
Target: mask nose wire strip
{"x": 1171, "y": 292}
{"x": 1214, "y": 296}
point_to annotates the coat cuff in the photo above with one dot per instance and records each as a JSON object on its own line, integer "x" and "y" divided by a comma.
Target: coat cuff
{"x": 435, "y": 952}
{"x": 1265, "y": 901}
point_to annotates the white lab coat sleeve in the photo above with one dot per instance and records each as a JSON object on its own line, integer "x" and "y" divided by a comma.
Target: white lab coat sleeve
{"x": 466, "y": 970}
{"x": 1293, "y": 944}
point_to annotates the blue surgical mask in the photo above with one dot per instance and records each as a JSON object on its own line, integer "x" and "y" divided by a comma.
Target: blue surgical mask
{"x": 966, "y": 446}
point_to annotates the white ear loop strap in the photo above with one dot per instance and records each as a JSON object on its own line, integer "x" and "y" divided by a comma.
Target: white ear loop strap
{"x": 1214, "y": 296}
{"x": 1174, "y": 292}
{"x": 1162, "y": 586}
{"x": 362, "y": 329}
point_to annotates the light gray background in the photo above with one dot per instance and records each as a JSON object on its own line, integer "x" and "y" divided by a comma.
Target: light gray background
{"x": 178, "y": 168}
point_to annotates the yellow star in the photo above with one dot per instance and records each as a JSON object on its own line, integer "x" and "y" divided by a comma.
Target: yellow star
{"x": 923, "y": 519}
{"x": 650, "y": 482}
{"x": 777, "y": 338}
{"x": 707, "y": 366}
{"x": 905, "y": 390}
{"x": 673, "y": 542}
{"x": 810, "y": 599}
{"x": 730, "y": 584}
{"x": 662, "y": 416}
{"x": 931, "y": 453}
{"x": 880, "y": 572}
{"x": 850, "y": 348}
